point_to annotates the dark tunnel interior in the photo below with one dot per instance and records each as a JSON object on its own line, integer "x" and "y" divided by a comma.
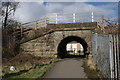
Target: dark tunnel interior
{"x": 62, "y": 52}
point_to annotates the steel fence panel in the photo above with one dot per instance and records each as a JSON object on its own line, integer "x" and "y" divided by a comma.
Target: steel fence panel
{"x": 105, "y": 51}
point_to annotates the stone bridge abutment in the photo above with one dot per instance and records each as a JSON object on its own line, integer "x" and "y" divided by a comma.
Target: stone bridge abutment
{"x": 52, "y": 44}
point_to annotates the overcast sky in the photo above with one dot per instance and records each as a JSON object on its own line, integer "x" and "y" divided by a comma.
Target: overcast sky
{"x": 30, "y": 11}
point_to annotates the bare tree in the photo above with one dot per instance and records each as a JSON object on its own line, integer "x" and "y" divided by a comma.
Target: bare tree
{"x": 8, "y": 24}
{"x": 8, "y": 8}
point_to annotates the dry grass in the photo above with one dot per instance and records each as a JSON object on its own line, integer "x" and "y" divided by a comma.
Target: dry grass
{"x": 91, "y": 71}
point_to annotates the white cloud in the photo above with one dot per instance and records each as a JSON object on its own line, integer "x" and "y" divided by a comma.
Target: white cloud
{"x": 30, "y": 11}
{"x": 62, "y": 0}
{"x": 33, "y": 11}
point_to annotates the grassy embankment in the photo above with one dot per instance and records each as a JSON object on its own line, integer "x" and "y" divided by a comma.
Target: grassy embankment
{"x": 33, "y": 72}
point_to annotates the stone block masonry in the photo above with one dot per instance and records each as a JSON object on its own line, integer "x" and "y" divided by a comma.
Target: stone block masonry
{"x": 47, "y": 45}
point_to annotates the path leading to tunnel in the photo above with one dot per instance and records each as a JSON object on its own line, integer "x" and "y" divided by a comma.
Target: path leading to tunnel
{"x": 68, "y": 68}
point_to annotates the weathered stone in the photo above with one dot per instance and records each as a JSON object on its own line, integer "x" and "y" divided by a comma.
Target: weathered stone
{"x": 47, "y": 45}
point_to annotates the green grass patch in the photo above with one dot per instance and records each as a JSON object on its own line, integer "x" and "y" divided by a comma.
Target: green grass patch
{"x": 33, "y": 74}
{"x": 37, "y": 71}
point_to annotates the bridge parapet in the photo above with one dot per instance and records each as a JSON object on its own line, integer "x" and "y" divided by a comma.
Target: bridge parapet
{"x": 73, "y": 25}
{"x": 34, "y": 29}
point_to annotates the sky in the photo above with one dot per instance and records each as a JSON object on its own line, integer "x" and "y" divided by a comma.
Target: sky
{"x": 30, "y": 11}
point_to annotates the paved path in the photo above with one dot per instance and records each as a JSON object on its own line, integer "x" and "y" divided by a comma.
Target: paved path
{"x": 68, "y": 68}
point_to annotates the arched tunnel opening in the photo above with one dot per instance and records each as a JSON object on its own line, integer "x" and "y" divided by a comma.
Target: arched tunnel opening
{"x": 62, "y": 47}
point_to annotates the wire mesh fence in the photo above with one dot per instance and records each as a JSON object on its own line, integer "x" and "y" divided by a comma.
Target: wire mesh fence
{"x": 106, "y": 54}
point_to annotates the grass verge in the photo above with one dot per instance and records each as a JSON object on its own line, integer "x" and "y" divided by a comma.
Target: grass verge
{"x": 37, "y": 72}
{"x": 91, "y": 74}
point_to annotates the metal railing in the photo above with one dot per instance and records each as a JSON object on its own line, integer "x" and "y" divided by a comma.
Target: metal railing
{"x": 56, "y": 18}
{"x": 70, "y": 17}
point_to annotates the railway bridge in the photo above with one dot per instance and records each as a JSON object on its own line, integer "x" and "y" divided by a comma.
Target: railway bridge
{"x": 41, "y": 38}
{"x": 44, "y": 39}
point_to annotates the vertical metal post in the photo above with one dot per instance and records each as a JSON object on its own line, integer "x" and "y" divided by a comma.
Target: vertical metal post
{"x": 118, "y": 55}
{"x": 56, "y": 18}
{"x": 92, "y": 17}
{"x": 96, "y": 43}
{"x": 115, "y": 56}
{"x": 73, "y": 17}
{"x": 111, "y": 57}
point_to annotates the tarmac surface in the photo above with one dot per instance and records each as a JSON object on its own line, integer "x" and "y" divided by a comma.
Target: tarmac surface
{"x": 67, "y": 68}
